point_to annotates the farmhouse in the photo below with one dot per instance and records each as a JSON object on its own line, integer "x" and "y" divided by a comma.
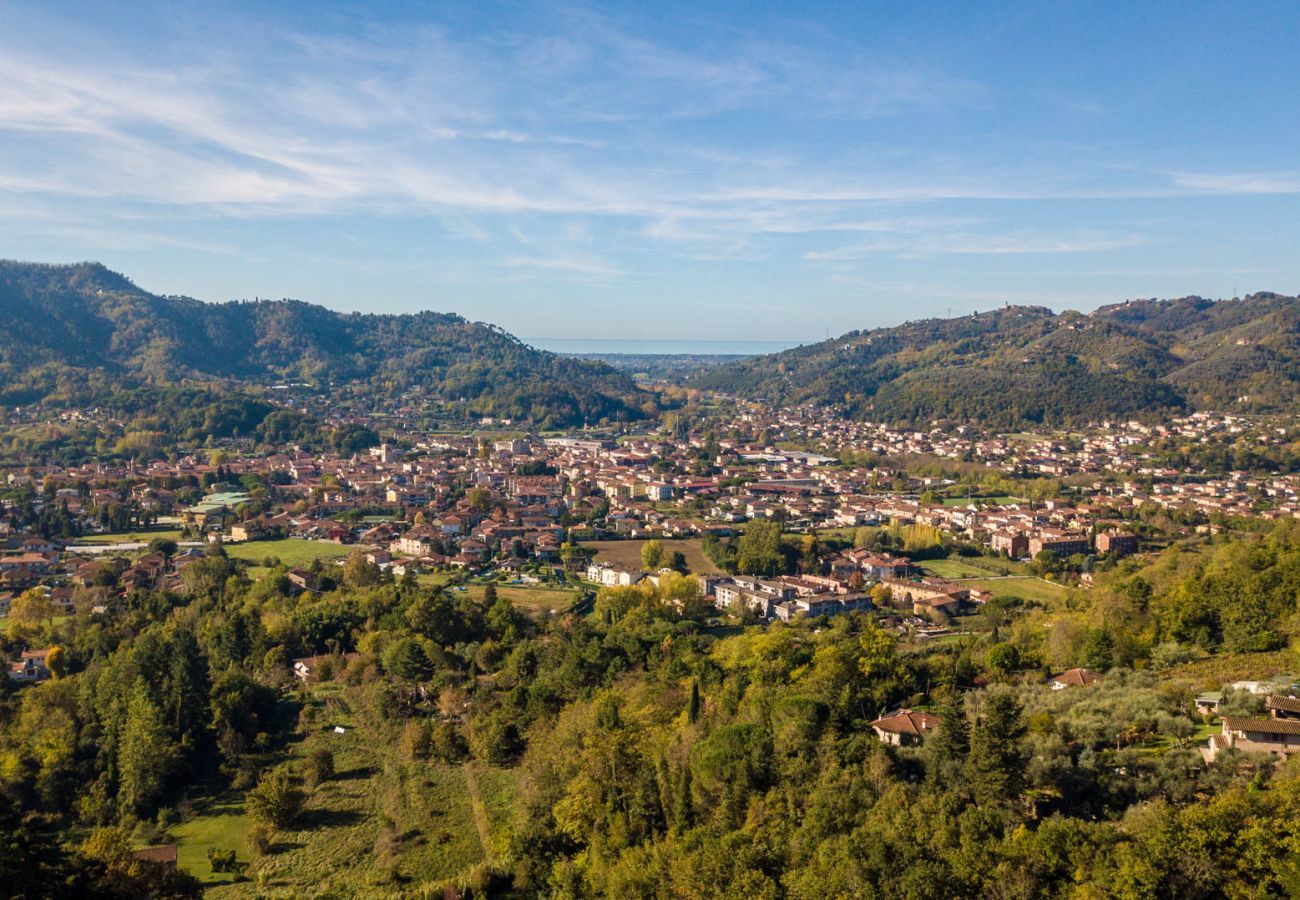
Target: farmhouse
{"x": 904, "y": 727}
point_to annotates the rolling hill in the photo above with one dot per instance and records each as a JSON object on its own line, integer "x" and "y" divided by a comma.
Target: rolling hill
{"x": 82, "y": 321}
{"x": 1025, "y": 365}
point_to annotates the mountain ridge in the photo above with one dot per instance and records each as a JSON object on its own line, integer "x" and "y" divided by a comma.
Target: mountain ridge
{"x": 1027, "y": 365}
{"x": 87, "y": 318}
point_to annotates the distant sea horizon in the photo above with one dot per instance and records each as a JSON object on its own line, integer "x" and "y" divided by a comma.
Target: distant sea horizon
{"x": 661, "y": 347}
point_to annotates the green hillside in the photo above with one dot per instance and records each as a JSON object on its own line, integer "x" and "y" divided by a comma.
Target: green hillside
{"x": 1020, "y": 365}
{"x": 81, "y": 328}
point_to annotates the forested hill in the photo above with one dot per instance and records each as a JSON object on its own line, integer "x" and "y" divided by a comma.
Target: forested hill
{"x": 1025, "y": 364}
{"x": 86, "y": 320}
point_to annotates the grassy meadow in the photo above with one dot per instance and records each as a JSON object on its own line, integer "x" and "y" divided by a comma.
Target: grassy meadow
{"x": 628, "y": 553}
{"x": 384, "y": 826}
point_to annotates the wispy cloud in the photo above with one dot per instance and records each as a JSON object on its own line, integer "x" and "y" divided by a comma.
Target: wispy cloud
{"x": 578, "y": 265}
{"x": 957, "y": 242}
{"x": 1238, "y": 182}
{"x": 571, "y": 146}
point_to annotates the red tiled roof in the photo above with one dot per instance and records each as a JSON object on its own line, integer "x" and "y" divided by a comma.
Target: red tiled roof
{"x": 905, "y": 721}
{"x": 1283, "y": 704}
{"x": 1262, "y": 726}
{"x": 1077, "y": 677}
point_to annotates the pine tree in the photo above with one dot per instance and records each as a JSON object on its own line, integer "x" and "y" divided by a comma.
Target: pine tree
{"x": 946, "y": 749}
{"x": 995, "y": 766}
{"x": 683, "y": 809}
{"x": 146, "y": 753}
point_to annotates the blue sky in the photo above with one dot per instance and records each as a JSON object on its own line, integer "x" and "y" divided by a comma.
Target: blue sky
{"x": 759, "y": 172}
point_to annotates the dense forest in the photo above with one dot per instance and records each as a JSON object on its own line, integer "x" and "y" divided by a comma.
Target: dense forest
{"x": 1021, "y": 365}
{"x": 79, "y": 333}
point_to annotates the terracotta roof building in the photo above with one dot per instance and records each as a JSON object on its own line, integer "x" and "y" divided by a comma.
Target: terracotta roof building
{"x": 904, "y": 726}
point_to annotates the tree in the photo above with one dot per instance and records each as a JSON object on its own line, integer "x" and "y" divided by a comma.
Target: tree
{"x": 1046, "y": 562}
{"x": 1002, "y": 658}
{"x": 479, "y": 498}
{"x": 759, "y": 549}
{"x": 434, "y": 615}
{"x": 652, "y": 555}
{"x": 1098, "y": 650}
{"x": 886, "y": 675}
{"x": 275, "y": 800}
{"x": 407, "y": 660}
{"x": 56, "y": 660}
{"x": 165, "y": 546}
{"x": 121, "y": 874}
{"x": 809, "y": 551}
{"x": 693, "y": 708}
{"x": 947, "y": 747}
{"x": 32, "y": 607}
{"x": 504, "y": 620}
{"x": 146, "y": 753}
{"x": 319, "y": 768}
{"x": 359, "y": 572}
{"x": 995, "y": 766}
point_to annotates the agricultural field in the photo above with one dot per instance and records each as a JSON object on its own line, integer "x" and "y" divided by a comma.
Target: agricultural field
{"x": 628, "y": 553}
{"x": 1211, "y": 672}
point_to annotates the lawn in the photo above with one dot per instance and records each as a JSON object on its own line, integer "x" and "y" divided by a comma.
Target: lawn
{"x": 291, "y": 552}
{"x": 628, "y": 553}
{"x": 222, "y": 825}
{"x": 1025, "y": 587}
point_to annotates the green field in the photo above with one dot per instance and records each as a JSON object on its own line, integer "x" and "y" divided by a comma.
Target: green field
{"x": 628, "y": 553}
{"x": 221, "y": 826}
{"x": 533, "y": 600}
{"x": 1025, "y": 587}
{"x": 122, "y": 537}
{"x": 954, "y": 568}
{"x": 290, "y": 551}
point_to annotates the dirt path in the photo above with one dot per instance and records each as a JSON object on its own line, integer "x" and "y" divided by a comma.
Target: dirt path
{"x": 480, "y": 811}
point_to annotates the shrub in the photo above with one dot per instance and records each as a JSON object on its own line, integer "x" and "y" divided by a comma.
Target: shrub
{"x": 320, "y": 767}
{"x": 275, "y": 801}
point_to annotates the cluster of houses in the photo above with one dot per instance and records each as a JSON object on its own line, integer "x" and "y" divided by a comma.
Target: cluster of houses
{"x": 847, "y": 588}
{"x": 908, "y": 727}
